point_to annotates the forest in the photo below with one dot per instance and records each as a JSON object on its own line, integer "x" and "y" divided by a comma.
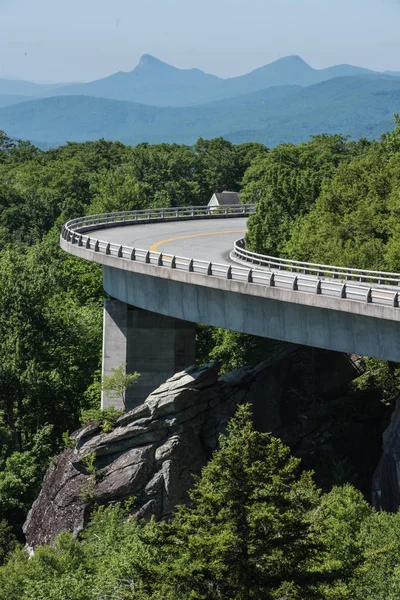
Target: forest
{"x": 258, "y": 526}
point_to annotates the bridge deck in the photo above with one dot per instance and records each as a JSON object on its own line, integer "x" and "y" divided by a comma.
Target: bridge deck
{"x": 206, "y": 240}
{"x": 194, "y": 288}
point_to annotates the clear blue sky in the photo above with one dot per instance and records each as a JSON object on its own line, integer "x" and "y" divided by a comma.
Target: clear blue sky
{"x": 82, "y": 40}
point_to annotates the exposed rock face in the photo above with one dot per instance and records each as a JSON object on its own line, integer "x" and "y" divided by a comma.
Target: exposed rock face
{"x": 155, "y": 449}
{"x": 386, "y": 481}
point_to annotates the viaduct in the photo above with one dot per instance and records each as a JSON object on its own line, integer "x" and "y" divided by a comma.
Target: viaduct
{"x": 167, "y": 269}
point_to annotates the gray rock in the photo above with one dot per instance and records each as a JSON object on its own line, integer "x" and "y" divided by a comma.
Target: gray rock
{"x": 155, "y": 450}
{"x": 386, "y": 480}
{"x": 151, "y": 508}
{"x": 123, "y": 482}
{"x": 155, "y": 484}
{"x": 60, "y": 505}
{"x": 168, "y": 449}
{"x": 87, "y": 431}
{"x": 140, "y": 412}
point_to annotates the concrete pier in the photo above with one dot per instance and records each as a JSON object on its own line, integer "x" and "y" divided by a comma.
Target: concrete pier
{"x": 152, "y": 344}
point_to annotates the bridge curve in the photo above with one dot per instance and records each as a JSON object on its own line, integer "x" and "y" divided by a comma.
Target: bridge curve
{"x": 175, "y": 262}
{"x": 208, "y": 240}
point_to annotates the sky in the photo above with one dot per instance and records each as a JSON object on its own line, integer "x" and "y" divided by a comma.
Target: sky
{"x": 83, "y": 40}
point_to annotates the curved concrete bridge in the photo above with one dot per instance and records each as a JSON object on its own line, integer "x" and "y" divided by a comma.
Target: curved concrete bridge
{"x": 167, "y": 269}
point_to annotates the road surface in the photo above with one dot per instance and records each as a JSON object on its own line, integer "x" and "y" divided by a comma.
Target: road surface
{"x": 208, "y": 239}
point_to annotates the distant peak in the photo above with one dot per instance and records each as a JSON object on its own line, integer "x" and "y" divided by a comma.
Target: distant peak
{"x": 293, "y": 58}
{"x": 147, "y": 60}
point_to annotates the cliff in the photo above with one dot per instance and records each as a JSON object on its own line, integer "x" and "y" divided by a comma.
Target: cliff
{"x": 155, "y": 450}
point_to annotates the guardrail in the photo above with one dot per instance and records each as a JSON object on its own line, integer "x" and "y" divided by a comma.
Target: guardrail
{"x": 295, "y": 266}
{"x": 130, "y": 217}
{"x": 283, "y": 273}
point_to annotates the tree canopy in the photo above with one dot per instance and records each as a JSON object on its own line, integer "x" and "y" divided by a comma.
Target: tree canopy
{"x": 257, "y": 526}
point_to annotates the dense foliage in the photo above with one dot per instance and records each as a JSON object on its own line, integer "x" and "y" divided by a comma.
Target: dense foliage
{"x": 257, "y": 527}
{"x": 329, "y": 201}
{"x": 50, "y": 305}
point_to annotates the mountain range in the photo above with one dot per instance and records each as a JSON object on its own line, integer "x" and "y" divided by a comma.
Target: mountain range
{"x": 286, "y": 100}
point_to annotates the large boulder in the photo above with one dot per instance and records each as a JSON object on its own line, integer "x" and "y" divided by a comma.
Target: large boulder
{"x": 155, "y": 450}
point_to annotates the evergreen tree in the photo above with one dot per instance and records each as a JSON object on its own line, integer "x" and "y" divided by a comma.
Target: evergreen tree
{"x": 250, "y": 530}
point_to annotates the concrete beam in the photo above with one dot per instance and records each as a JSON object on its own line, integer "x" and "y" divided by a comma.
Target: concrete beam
{"x": 307, "y": 299}
{"x": 263, "y": 311}
{"x": 315, "y": 320}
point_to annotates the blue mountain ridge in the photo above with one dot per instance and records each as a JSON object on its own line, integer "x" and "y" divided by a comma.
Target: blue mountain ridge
{"x": 157, "y": 83}
{"x": 359, "y": 106}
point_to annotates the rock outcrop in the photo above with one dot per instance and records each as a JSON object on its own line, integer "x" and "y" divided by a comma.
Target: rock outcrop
{"x": 155, "y": 449}
{"x": 386, "y": 481}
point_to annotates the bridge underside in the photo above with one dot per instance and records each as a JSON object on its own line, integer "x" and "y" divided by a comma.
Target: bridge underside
{"x": 308, "y": 325}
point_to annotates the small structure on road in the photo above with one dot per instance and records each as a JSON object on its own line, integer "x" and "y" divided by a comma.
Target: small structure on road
{"x": 224, "y": 199}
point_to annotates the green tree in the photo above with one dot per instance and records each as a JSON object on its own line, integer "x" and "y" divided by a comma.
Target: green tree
{"x": 8, "y": 541}
{"x": 21, "y": 475}
{"x": 285, "y": 185}
{"x": 231, "y": 349}
{"x": 342, "y": 515}
{"x": 354, "y": 221}
{"x": 250, "y": 531}
{"x": 218, "y": 167}
{"x": 118, "y": 382}
{"x": 6, "y": 145}
{"x": 378, "y": 575}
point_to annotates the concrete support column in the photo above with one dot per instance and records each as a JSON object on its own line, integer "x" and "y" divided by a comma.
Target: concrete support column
{"x": 155, "y": 346}
{"x": 115, "y": 340}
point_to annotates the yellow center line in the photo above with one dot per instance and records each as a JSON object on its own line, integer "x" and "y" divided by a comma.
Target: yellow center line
{"x": 154, "y": 247}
